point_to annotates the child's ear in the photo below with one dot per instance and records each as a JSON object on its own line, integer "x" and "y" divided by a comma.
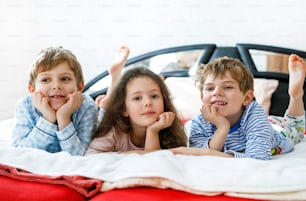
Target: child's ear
{"x": 81, "y": 86}
{"x": 31, "y": 88}
{"x": 125, "y": 114}
{"x": 248, "y": 97}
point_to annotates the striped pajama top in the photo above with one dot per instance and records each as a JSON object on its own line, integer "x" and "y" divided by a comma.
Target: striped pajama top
{"x": 252, "y": 136}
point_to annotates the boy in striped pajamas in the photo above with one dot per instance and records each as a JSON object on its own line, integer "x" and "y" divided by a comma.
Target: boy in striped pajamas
{"x": 233, "y": 124}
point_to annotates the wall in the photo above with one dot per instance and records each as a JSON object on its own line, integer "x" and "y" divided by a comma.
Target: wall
{"x": 95, "y": 29}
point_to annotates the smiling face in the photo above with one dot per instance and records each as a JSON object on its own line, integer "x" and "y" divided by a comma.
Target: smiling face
{"x": 143, "y": 102}
{"x": 56, "y": 84}
{"x": 223, "y": 93}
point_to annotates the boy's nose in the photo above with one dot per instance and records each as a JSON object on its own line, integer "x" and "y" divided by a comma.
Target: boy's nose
{"x": 218, "y": 91}
{"x": 56, "y": 85}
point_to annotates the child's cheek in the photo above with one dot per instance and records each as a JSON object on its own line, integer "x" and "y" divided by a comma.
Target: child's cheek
{"x": 41, "y": 90}
{"x": 204, "y": 100}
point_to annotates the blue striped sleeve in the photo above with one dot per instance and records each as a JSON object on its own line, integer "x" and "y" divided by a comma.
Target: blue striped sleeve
{"x": 200, "y": 132}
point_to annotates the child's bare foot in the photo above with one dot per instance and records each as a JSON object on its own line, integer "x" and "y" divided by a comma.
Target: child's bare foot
{"x": 115, "y": 72}
{"x": 115, "y": 69}
{"x": 297, "y": 72}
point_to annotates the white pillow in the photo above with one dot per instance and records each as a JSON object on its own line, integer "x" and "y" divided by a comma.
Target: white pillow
{"x": 187, "y": 99}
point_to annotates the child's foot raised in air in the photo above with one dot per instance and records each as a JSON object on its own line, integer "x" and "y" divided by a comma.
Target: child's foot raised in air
{"x": 297, "y": 72}
{"x": 115, "y": 69}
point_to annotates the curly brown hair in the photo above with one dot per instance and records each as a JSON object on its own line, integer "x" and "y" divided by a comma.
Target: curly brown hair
{"x": 170, "y": 137}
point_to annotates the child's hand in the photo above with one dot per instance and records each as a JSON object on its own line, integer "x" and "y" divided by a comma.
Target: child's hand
{"x": 198, "y": 152}
{"x": 64, "y": 113}
{"x": 41, "y": 103}
{"x": 73, "y": 103}
{"x": 152, "y": 138}
{"x": 212, "y": 115}
{"x": 164, "y": 120}
{"x": 190, "y": 151}
{"x": 100, "y": 102}
{"x": 223, "y": 125}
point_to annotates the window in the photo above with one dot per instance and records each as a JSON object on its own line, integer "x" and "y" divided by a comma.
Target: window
{"x": 266, "y": 61}
{"x": 180, "y": 60}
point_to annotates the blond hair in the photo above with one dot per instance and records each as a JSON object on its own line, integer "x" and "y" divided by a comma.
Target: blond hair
{"x": 51, "y": 57}
{"x": 220, "y": 66}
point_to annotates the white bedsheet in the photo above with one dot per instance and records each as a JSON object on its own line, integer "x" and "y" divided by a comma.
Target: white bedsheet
{"x": 6, "y": 128}
{"x": 283, "y": 178}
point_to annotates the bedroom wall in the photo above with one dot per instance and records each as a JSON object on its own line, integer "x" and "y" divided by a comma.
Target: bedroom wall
{"x": 95, "y": 29}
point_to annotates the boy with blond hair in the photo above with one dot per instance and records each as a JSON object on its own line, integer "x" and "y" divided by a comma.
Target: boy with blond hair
{"x": 57, "y": 116}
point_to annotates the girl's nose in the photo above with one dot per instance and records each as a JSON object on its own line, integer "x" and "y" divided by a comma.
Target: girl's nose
{"x": 148, "y": 105}
{"x": 148, "y": 102}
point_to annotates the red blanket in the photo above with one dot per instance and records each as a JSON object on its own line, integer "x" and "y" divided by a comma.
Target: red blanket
{"x": 86, "y": 186}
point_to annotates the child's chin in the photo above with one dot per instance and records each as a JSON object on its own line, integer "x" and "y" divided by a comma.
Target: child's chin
{"x": 56, "y": 106}
{"x": 149, "y": 123}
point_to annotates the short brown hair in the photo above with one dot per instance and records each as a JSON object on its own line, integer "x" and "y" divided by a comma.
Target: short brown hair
{"x": 220, "y": 66}
{"x": 53, "y": 56}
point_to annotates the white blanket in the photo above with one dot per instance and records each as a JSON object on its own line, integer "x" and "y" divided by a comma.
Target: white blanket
{"x": 283, "y": 178}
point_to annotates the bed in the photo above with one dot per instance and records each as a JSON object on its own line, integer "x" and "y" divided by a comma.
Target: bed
{"x": 29, "y": 174}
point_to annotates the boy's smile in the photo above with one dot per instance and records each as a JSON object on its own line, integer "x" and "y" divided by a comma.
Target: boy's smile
{"x": 223, "y": 93}
{"x": 57, "y": 100}
{"x": 218, "y": 103}
{"x": 56, "y": 85}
